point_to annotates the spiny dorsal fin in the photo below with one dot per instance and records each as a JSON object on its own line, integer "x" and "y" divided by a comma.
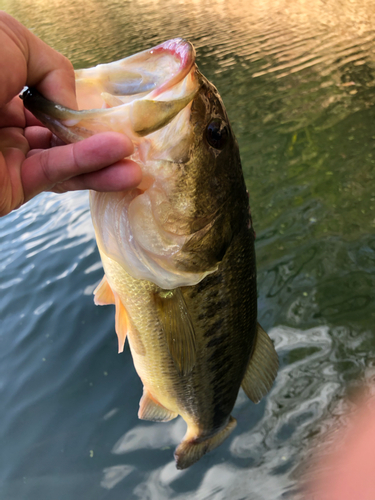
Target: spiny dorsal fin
{"x": 262, "y": 368}
{"x": 103, "y": 294}
{"x": 175, "y": 318}
{"x": 121, "y": 323}
{"x": 150, "y": 409}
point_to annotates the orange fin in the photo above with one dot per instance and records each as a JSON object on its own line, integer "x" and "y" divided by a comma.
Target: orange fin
{"x": 150, "y": 409}
{"x": 103, "y": 294}
{"x": 121, "y": 323}
{"x": 190, "y": 451}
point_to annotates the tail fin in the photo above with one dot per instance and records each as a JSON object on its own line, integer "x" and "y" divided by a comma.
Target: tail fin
{"x": 190, "y": 451}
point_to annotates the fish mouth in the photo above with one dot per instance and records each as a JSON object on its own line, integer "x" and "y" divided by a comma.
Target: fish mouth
{"x": 184, "y": 52}
{"x": 150, "y": 73}
{"x": 136, "y": 96}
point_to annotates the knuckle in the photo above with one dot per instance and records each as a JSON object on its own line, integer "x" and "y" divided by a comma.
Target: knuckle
{"x": 45, "y": 165}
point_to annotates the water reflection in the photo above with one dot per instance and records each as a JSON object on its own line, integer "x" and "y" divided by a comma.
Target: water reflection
{"x": 146, "y": 436}
{"x": 113, "y": 475}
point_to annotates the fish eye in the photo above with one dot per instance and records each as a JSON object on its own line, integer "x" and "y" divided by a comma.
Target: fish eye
{"x": 217, "y": 134}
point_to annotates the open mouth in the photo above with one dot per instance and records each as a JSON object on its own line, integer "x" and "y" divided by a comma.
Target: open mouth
{"x": 149, "y": 73}
{"x": 184, "y": 52}
{"x": 136, "y": 96}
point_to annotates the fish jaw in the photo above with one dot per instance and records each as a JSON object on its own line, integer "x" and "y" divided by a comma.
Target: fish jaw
{"x": 134, "y": 96}
{"x": 135, "y": 119}
{"x": 151, "y": 72}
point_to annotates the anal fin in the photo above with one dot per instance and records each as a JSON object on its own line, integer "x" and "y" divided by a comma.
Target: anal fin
{"x": 103, "y": 294}
{"x": 150, "y": 409}
{"x": 262, "y": 368}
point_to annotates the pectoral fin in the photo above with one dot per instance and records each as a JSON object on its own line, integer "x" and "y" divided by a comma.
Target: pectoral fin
{"x": 121, "y": 323}
{"x": 150, "y": 409}
{"x": 103, "y": 294}
{"x": 177, "y": 324}
{"x": 262, "y": 369}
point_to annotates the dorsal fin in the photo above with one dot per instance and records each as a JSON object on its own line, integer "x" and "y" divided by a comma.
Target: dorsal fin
{"x": 262, "y": 368}
{"x": 177, "y": 324}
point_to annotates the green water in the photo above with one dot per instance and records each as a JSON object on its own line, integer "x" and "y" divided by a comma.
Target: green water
{"x": 298, "y": 82}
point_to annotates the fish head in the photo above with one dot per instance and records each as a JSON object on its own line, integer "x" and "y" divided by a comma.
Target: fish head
{"x": 174, "y": 229}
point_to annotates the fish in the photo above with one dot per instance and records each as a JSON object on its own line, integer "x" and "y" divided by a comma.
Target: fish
{"x": 177, "y": 251}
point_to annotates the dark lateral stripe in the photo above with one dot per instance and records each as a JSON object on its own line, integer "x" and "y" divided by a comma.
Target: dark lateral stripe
{"x": 218, "y": 417}
{"x": 208, "y": 282}
{"x": 220, "y": 363}
{"x": 213, "y": 307}
{"x": 214, "y": 328}
{"x": 220, "y": 353}
{"x": 216, "y": 341}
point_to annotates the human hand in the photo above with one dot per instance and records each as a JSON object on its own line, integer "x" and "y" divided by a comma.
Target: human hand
{"x": 28, "y": 163}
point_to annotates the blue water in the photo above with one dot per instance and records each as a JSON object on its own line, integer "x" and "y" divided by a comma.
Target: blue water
{"x": 299, "y": 86}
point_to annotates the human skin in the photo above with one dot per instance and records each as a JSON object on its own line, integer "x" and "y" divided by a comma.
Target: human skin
{"x": 348, "y": 472}
{"x": 28, "y": 163}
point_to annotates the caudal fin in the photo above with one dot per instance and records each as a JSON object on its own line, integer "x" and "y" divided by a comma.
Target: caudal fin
{"x": 190, "y": 451}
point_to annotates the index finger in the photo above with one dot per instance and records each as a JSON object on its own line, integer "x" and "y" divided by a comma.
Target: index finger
{"x": 42, "y": 171}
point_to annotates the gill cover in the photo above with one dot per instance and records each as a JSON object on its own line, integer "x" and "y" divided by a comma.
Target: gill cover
{"x": 128, "y": 232}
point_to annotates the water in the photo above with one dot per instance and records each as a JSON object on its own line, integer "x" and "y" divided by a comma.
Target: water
{"x": 298, "y": 81}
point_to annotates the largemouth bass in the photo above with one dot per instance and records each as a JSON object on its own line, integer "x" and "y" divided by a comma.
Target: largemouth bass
{"x": 178, "y": 251}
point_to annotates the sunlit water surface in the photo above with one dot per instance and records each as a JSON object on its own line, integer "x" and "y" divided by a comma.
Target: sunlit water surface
{"x": 298, "y": 80}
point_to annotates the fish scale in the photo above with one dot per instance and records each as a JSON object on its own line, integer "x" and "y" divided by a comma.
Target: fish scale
{"x": 178, "y": 251}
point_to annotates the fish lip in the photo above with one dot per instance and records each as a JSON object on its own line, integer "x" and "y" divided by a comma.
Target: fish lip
{"x": 185, "y": 52}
